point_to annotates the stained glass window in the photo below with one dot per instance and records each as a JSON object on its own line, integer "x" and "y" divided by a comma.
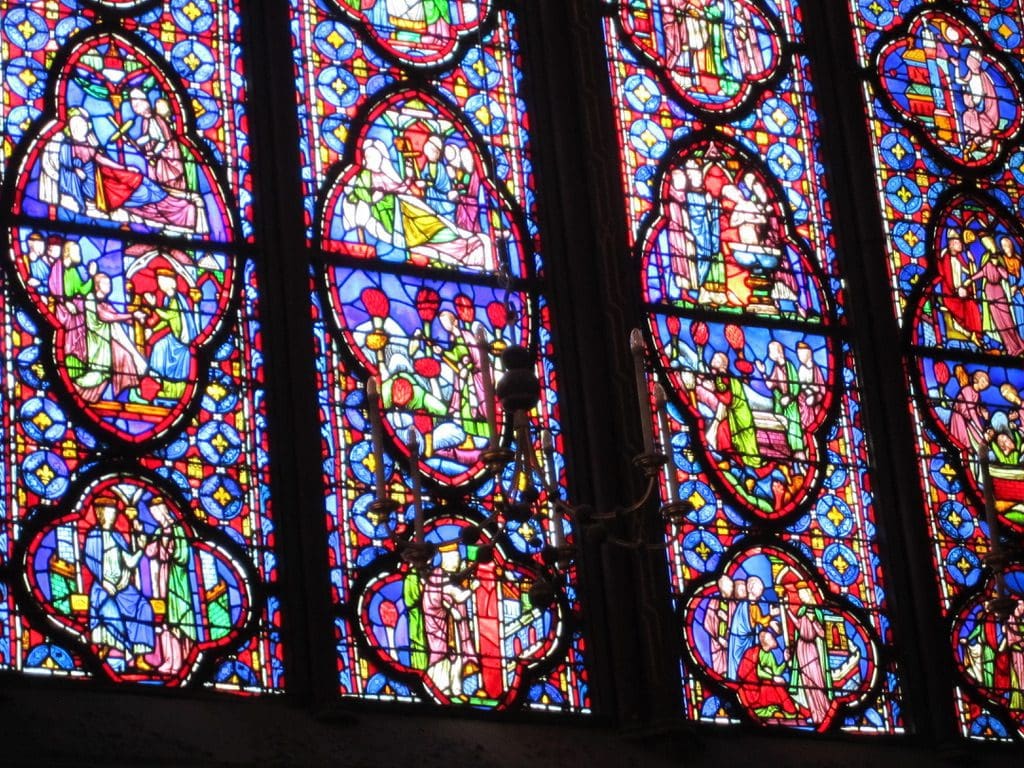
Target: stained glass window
{"x": 943, "y": 94}
{"x": 775, "y": 566}
{"x": 420, "y": 209}
{"x": 137, "y": 538}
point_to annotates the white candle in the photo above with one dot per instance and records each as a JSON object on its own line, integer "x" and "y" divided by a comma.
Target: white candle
{"x": 636, "y": 346}
{"x": 376, "y": 434}
{"x": 550, "y": 470}
{"x": 484, "y": 350}
{"x": 413, "y": 444}
{"x": 547, "y": 442}
{"x": 661, "y": 402}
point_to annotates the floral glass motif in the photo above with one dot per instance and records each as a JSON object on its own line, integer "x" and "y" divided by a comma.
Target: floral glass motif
{"x": 745, "y": 304}
{"x": 420, "y": 207}
{"x": 950, "y": 190}
{"x": 418, "y": 32}
{"x": 714, "y": 53}
{"x": 131, "y": 339}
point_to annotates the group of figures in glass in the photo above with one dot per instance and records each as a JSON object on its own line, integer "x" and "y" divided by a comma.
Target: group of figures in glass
{"x": 431, "y": 374}
{"x": 421, "y": 20}
{"x": 991, "y": 652}
{"x": 418, "y": 195}
{"x": 117, "y": 152}
{"x": 720, "y": 241}
{"x": 465, "y": 626}
{"x": 942, "y": 77}
{"x": 126, "y": 324}
{"x": 127, "y": 319}
{"x": 724, "y": 238}
{"x": 975, "y": 302}
{"x": 758, "y": 398}
{"x": 712, "y": 51}
{"x": 744, "y": 324}
{"x": 128, "y": 574}
{"x": 939, "y": 78}
{"x": 766, "y": 630}
{"x": 984, "y": 307}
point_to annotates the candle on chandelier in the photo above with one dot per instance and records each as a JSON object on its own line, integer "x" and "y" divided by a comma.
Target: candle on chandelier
{"x": 547, "y": 445}
{"x": 413, "y": 444}
{"x": 636, "y": 346}
{"x": 989, "y": 496}
{"x": 376, "y": 434}
{"x": 487, "y": 374}
{"x": 661, "y": 403}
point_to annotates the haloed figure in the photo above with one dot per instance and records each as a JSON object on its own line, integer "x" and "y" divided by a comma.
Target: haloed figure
{"x": 120, "y": 616}
{"x": 169, "y": 559}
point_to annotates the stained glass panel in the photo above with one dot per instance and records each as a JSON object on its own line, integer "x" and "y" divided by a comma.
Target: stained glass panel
{"x": 943, "y": 94}
{"x": 137, "y": 530}
{"x": 775, "y": 566}
{"x": 420, "y": 211}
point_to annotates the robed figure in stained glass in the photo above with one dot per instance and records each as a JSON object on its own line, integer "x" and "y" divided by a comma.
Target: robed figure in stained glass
{"x": 811, "y": 678}
{"x": 159, "y": 144}
{"x": 67, "y": 287}
{"x": 110, "y": 353}
{"x": 120, "y": 616}
{"x": 170, "y": 557}
{"x": 1015, "y": 646}
{"x": 733, "y": 422}
{"x": 171, "y": 327}
{"x": 762, "y": 677}
{"x": 447, "y": 624}
{"x": 997, "y": 279}
{"x": 784, "y": 383}
{"x": 939, "y": 75}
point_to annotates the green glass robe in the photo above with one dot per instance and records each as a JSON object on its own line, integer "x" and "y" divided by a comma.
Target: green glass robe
{"x": 412, "y": 595}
